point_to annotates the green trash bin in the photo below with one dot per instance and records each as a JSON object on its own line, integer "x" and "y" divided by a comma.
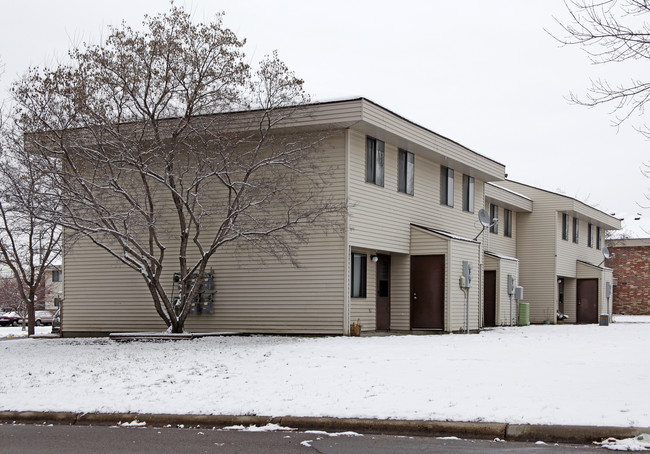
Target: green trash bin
{"x": 524, "y": 314}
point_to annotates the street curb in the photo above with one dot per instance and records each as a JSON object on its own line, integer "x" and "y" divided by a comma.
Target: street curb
{"x": 479, "y": 430}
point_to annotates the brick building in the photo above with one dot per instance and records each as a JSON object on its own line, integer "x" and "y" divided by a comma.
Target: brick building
{"x": 631, "y": 265}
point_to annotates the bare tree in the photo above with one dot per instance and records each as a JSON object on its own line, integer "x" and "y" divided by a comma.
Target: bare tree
{"x": 612, "y": 31}
{"x": 29, "y": 245}
{"x": 166, "y": 147}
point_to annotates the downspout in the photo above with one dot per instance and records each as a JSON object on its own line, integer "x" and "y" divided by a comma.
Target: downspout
{"x": 346, "y": 258}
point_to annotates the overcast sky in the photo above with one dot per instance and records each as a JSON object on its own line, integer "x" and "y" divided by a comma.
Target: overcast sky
{"x": 485, "y": 74}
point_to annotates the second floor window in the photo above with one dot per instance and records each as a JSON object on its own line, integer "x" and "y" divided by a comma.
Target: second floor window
{"x": 447, "y": 186}
{"x": 468, "y": 193}
{"x": 590, "y": 235}
{"x": 406, "y": 172}
{"x": 57, "y": 276}
{"x": 374, "y": 161}
{"x": 576, "y": 230}
{"x": 565, "y": 226}
{"x": 494, "y": 216}
{"x": 507, "y": 223}
{"x": 598, "y": 237}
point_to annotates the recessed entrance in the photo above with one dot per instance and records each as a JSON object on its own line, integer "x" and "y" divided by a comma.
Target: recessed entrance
{"x": 383, "y": 292}
{"x": 427, "y": 291}
{"x": 490, "y": 297}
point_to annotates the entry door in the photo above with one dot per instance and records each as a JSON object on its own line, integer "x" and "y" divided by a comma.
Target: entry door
{"x": 383, "y": 292}
{"x": 427, "y": 291}
{"x": 587, "y": 310}
{"x": 490, "y": 297}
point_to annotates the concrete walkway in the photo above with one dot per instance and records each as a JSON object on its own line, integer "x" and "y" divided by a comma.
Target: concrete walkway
{"x": 479, "y": 430}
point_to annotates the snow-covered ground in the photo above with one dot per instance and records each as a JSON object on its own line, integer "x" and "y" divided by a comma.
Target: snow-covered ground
{"x": 17, "y": 331}
{"x": 564, "y": 374}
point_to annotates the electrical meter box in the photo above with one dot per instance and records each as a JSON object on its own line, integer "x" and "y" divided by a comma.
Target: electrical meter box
{"x": 519, "y": 293}
{"x": 467, "y": 273}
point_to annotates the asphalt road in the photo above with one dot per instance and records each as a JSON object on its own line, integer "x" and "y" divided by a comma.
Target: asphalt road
{"x": 17, "y": 439}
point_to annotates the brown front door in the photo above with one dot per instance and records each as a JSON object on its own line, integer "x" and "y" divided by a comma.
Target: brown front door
{"x": 490, "y": 297}
{"x": 587, "y": 310}
{"x": 383, "y": 292}
{"x": 427, "y": 291}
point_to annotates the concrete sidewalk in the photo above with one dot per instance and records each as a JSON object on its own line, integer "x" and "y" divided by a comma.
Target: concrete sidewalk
{"x": 480, "y": 430}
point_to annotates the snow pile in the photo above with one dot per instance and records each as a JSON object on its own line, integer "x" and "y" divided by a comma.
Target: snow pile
{"x": 640, "y": 443}
{"x": 253, "y": 428}
{"x": 555, "y": 374}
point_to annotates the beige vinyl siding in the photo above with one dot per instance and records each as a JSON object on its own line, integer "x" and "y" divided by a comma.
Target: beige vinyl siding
{"x": 568, "y": 251}
{"x": 498, "y": 242}
{"x": 439, "y": 149}
{"x": 253, "y": 293}
{"x": 460, "y": 251}
{"x": 380, "y": 217}
{"x": 544, "y": 255}
{"x": 536, "y": 248}
{"x": 400, "y": 292}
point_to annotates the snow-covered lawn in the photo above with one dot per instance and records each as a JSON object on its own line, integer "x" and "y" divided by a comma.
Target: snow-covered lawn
{"x": 563, "y": 374}
{"x": 17, "y": 331}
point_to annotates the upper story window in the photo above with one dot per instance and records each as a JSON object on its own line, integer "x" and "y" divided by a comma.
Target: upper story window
{"x": 494, "y": 215}
{"x": 507, "y": 222}
{"x": 374, "y": 161}
{"x": 468, "y": 193}
{"x": 57, "y": 276}
{"x": 576, "y": 230}
{"x": 590, "y": 235}
{"x": 446, "y": 186}
{"x": 598, "y": 233}
{"x": 405, "y": 172}
{"x": 358, "y": 272}
{"x": 565, "y": 226}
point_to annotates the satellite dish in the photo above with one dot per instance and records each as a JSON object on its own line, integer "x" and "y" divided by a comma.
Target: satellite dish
{"x": 484, "y": 217}
{"x": 606, "y": 253}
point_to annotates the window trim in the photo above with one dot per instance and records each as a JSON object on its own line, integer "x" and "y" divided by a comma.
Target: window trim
{"x": 446, "y": 186}
{"x": 598, "y": 237}
{"x": 405, "y": 166}
{"x": 375, "y": 161}
{"x": 494, "y": 214}
{"x": 576, "y": 230}
{"x": 469, "y": 188}
{"x": 363, "y": 285}
{"x": 590, "y": 235}
{"x": 507, "y": 223}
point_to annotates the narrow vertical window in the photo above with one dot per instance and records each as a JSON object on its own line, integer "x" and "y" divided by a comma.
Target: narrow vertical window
{"x": 374, "y": 161}
{"x": 447, "y": 186}
{"x": 494, "y": 218}
{"x": 406, "y": 172}
{"x": 507, "y": 223}
{"x": 576, "y": 230}
{"x": 565, "y": 226}
{"x": 468, "y": 193}
{"x": 358, "y": 272}
{"x": 590, "y": 235}
{"x": 598, "y": 233}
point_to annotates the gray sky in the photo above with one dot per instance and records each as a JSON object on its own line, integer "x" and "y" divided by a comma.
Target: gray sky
{"x": 484, "y": 74}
